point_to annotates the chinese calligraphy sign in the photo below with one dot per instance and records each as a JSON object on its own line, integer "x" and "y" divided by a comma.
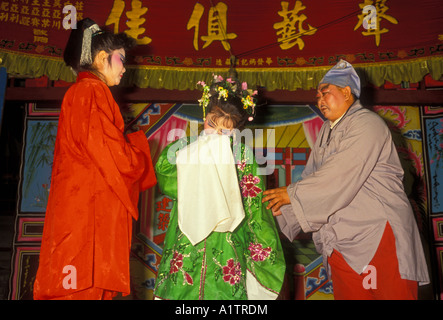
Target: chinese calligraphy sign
{"x": 377, "y": 16}
{"x": 290, "y": 30}
{"x": 133, "y": 22}
{"x": 217, "y": 25}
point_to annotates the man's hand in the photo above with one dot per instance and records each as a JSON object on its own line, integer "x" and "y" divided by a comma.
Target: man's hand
{"x": 277, "y": 198}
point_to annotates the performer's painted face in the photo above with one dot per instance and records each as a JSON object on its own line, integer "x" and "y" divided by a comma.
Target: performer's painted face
{"x": 331, "y": 100}
{"x": 113, "y": 71}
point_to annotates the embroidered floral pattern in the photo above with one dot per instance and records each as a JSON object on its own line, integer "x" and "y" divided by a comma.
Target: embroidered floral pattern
{"x": 188, "y": 278}
{"x": 177, "y": 265}
{"x": 232, "y": 272}
{"x": 217, "y": 267}
{"x": 176, "y": 262}
{"x": 241, "y": 165}
{"x": 258, "y": 253}
{"x": 248, "y": 186}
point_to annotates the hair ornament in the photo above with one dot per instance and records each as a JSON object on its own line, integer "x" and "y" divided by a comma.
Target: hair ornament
{"x": 224, "y": 88}
{"x": 88, "y": 33}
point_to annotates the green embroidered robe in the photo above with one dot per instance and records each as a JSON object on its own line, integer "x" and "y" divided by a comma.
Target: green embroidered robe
{"x": 245, "y": 263}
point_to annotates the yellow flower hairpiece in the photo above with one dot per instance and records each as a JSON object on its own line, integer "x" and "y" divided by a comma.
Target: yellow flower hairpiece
{"x": 226, "y": 87}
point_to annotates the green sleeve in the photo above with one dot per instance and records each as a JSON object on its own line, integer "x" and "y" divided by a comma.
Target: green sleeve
{"x": 166, "y": 169}
{"x": 265, "y": 254}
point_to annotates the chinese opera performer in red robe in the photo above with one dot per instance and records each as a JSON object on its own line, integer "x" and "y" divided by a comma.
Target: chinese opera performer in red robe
{"x": 97, "y": 176}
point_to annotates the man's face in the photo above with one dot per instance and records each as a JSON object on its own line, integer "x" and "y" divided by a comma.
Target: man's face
{"x": 332, "y": 101}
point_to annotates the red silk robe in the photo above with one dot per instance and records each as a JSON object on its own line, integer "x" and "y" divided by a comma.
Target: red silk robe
{"x": 97, "y": 175}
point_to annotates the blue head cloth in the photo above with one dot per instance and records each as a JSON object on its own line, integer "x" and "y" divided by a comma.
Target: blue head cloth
{"x": 343, "y": 75}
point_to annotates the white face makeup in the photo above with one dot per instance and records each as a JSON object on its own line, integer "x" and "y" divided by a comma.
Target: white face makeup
{"x": 113, "y": 72}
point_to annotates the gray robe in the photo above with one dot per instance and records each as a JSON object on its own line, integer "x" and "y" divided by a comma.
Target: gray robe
{"x": 351, "y": 187}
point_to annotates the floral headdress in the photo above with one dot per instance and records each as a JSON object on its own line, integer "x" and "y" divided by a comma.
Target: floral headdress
{"x": 229, "y": 87}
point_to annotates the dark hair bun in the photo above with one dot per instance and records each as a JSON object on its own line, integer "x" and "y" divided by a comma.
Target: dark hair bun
{"x": 104, "y": 40}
